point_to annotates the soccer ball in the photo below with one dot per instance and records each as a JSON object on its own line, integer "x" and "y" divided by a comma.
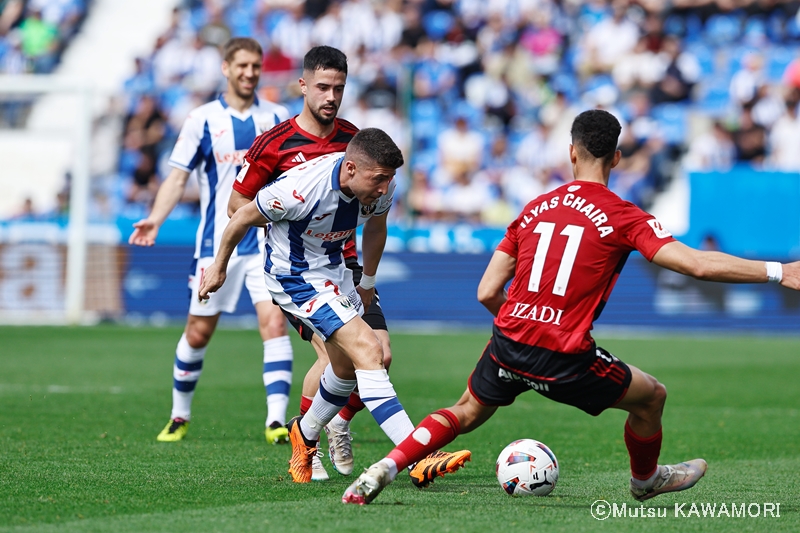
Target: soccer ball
{"x": 527, "y": 467}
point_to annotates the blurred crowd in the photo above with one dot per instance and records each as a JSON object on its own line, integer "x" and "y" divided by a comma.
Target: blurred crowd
{"x": 480, "y": 94}
{"x": 33, "y": 33}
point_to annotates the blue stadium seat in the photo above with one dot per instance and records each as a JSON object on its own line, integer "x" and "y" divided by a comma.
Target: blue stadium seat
{"x": 714, "y": 96}
{"x": 704, "y": 55}
{"x": 671, "y": 120}
{"x": 437, "y": 24}
{"x": 722, "y": 29}
{"x": 425, "y": 160}
{"x": 777, "y": 61}
{"x": 427, "y": 121}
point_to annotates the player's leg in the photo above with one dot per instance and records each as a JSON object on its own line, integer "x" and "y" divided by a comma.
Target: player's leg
{"x": 644, "y": 402}
{"x": 278, "y": 354}
{"x": 420, "y": 448}
{"x": 191, "y": 350}
{"x": 484, "y": 394}
{"x": 356, "y": 343}
{"x": 187, "y": 367}
{"x": 277, "y": 370}
{"x": 340, "y": 450}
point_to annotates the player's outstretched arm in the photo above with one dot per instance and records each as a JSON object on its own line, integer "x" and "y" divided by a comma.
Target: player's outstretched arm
{"x": 372, "y": 244}
{"x": 169, "y": 194}
{"x": 791, "y": 275}
{"x": 237, "y": 201}
{"x": 491, "y": 289}
{"x": 214, "y": 275}
{"x": 716, "y": 266}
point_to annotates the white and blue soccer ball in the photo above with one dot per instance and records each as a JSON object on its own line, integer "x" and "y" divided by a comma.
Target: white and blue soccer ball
{"x": 527, "y": 467}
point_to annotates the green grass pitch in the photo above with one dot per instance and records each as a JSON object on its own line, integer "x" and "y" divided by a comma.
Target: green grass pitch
{"x": 80, "y": 409}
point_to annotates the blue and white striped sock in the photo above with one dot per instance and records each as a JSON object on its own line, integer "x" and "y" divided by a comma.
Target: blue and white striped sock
{"x": 278, "y": 357}
{"x": 332, "y": 395}
{"x": 185, "y": 373}
{"x": 378, "y": 395}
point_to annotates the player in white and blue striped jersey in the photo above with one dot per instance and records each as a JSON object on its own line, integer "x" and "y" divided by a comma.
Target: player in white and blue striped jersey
{"x": 212, "y": 144}
{"x": 312, "y": 209}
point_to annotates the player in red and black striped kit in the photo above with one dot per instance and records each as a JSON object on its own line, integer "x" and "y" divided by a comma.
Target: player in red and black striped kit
{"x": 314, "y": 132}
{"x": 564, "y": 253}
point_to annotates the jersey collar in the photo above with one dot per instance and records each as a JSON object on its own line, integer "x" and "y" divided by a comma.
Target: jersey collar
{"x": 235, "y": 113}
{"x": 335, "y": 185}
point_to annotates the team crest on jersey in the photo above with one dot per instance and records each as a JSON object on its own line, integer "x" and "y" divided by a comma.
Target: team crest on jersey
{"x": 345, "y": 302}
{"x": 367, "y": 210}
{"x": 274, "y": 205}
{"x": 243, "y": 171}
{"x": 658, "y": 229}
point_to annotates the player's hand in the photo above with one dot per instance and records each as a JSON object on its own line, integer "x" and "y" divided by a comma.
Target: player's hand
{"x": 791, "y": 275}
{"x": 211, "y": 279}
{"x": 144, "y": 233}
{"x": 366, "y": 296}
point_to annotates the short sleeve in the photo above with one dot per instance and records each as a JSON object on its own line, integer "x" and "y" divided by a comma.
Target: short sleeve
{"x": 187, "y": 153}
{"x": 510, "y": 242}
{"x": 255, "y": 172}
{"x": 285, "y": 199}
{"x": 643, "y": 232}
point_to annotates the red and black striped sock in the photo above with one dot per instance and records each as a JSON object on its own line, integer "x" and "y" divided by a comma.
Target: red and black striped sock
{"x": 353, "y": 405}
{"x": 305, "y": 404}
{"x": 427, "y": 437}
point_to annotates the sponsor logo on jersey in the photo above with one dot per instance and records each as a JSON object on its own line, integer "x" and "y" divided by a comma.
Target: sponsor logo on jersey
{"x": 299, "y": 196}
{"x": 322, "y": 216}
{"x": 243, "y": 171}
{"x": 508, "y": 377}
{"x": 658, "y": 229}
{"x": 310, "y": 306}
{"x": 573, "y": 188}
{"x": 331, "y": 235}
{"x": 543, "y": 314}
{"x": 299, "y": 158}
{"x": 235, "y": 158}
{"x": 220, "y": 133}
{"x": 367, "y": 210}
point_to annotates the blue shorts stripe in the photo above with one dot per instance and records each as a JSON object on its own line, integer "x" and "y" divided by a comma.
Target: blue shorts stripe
{"x": 332, "y": 398}
{"x": 188, "y": 367}
{"x": 298, "y": 289}
{"x": 326, "y": 321}
{"x": 278, "y": 387}
{"x": 184, "y": 386}
{"x": 275, "y": 366}
{"x": 386, "y": 410}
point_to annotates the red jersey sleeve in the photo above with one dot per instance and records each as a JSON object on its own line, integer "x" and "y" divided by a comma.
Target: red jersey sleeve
{"x": 255, "y": 173}
{"x": 509, "y": 244}
{"x": 643, "y": 231}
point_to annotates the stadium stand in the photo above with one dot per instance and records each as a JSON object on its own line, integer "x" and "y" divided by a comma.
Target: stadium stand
{"x": 506, "y": 67}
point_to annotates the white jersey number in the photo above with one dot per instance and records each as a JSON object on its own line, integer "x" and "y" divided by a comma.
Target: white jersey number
{"x": 546, "y": 229}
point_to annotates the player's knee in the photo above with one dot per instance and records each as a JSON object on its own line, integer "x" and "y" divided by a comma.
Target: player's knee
{"x": 660, "y": 394}
{"x": 198, "y": 337}
{"x": 274, "y": 328}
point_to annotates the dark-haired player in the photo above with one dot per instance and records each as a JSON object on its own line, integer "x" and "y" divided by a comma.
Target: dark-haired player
{"x": 564, "y": 253}
{"x": 313, "y": 209}
{"x": 314, "y": 132}
{"x": 212, "y": 143}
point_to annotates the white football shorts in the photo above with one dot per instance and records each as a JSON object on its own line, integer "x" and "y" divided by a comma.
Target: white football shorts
{"x": 245, "y": 270}
{"x": 324, "y": 299}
